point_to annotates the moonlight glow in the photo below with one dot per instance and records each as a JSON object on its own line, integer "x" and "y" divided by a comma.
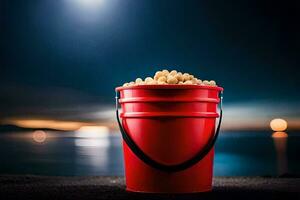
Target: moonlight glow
{"x": 278, "y": 125}
{"x": 88, "y": 3}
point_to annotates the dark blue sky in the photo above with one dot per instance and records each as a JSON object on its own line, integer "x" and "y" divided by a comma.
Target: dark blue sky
{"x": 251, "y": 48}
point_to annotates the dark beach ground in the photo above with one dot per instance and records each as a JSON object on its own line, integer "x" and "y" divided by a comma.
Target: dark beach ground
{"x": 108, "y": 187}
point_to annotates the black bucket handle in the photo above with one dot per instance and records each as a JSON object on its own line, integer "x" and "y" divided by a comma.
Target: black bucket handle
{"x": 162, "y": 167}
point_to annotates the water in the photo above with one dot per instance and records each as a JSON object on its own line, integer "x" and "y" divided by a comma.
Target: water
{"x": 237, "y": 154}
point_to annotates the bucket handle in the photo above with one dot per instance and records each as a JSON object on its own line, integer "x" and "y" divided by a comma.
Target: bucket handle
{"x": 162, "y": 167}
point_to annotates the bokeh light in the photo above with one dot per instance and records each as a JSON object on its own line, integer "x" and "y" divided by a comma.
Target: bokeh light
{"x": 92, "y": 132}
{"x": 92, "y": 136}
{"x": 39, "y": 136}
{"x": 278, "y": 125}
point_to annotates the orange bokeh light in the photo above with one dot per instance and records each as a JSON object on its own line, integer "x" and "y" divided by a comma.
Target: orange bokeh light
{"x": 278, "y": 125}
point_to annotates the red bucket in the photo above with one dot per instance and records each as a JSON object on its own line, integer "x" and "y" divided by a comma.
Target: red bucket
{"x": 168, "y": 136}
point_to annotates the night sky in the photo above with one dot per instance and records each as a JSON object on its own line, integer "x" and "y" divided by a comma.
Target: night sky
{"x": 61, "y": 53}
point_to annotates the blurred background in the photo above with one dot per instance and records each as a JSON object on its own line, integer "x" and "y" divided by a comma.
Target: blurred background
{"x": 61, "y": 61}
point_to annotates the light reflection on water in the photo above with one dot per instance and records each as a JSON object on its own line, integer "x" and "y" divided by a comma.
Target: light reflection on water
{"x": 94, "y": 152}
{"x": 280, "y": 142}
{"x": 92, "y": 144}
{"x": 62, "y": 153}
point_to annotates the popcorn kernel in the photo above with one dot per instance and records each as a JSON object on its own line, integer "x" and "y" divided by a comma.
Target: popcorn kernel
{"x": 131, "y": 83}
{"x": 173, "y": 72}
{"x": 188, "y": 83}
{"x": 148, "y": 79}
{"x": 158, "y": 75}
{"x": 165, "y": 72}
{"x": 172, "y": 80}
{"x": 153, "y": 82}
{"x": 186, "y": 76}
{"x": 206, "y": 82}
{"x": 138, "y": 80}
{"x": 199, "y": 81}
{"x": 194, "y": 80}
{"x": 212, "y": 83}
{"x": 162, "y": 79}
{"x": 179, "y": 77}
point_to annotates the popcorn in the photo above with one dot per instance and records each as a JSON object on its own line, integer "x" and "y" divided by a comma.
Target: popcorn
{"x": 165, "y": 72}
{"x": 199, "y": 81}
{"x": 188, "y": 83}
{"x": 153, "y": 82}
{"x": 212, "y": 83}
{"x": 205, "y": 82}
{"x": 172, "y": 80}
{"x": 173, "y": 72}
{"x": 186, "y": 77}
{"x": 173, "y": 77}
{"x": 162, "y": 79}
{"x": 194, "y": 80}
{"x": 179, "y": 77}
{"x": 148, "y": 80}
{"x": 158, "y": 75}
{"x": 131, "y": 83}
{"x": 138, "y": 80}
{"x": 161, "y": 83}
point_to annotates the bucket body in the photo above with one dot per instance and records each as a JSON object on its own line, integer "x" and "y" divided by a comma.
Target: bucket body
{"x": 169, "y": 123}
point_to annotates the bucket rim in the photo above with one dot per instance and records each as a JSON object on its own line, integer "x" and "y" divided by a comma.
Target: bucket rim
{"x": 167, "y": 99}
{"x": 169, "y": 86}
{"x": 155, "y": 114}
